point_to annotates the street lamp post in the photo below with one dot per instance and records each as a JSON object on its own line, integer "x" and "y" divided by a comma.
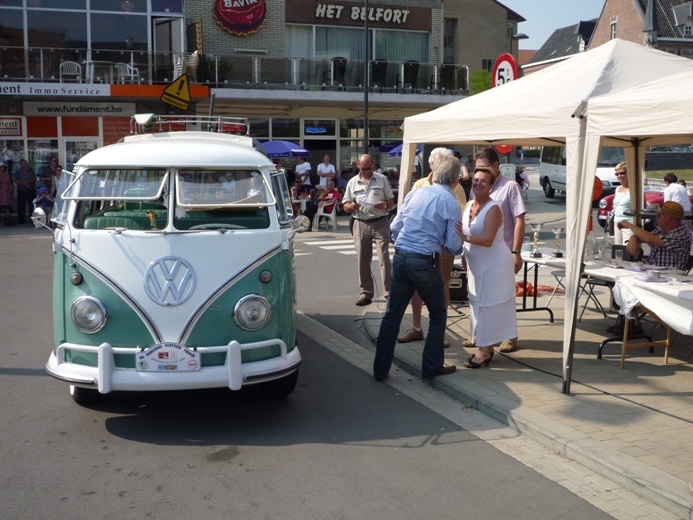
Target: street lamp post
{"x": 518, "y": 36}
{"x": 366, "y": 82}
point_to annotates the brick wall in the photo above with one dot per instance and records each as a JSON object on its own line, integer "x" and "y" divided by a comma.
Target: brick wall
{"x": 481, "y": 31}
{"x": 216, "y": 40}
{"x": 629, "y": 23}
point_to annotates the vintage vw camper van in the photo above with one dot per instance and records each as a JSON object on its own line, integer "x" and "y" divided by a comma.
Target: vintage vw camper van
{"x": 174, "y": 265}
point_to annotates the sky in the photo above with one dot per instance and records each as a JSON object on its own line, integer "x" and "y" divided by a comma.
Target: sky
{"x": 545, "y": 16}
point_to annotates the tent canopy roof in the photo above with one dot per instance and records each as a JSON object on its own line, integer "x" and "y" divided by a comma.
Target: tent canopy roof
{"x": 659, "y": 112}
{"x": 537, "y": 109}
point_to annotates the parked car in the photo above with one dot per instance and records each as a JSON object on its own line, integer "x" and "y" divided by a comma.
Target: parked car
{"x": 607, "y": 204}
{"x": 552, "y": 169}
{"x": 676, "y": 149}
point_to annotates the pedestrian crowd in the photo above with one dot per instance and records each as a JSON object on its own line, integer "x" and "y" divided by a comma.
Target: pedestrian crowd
{"x": 33, "y": 190}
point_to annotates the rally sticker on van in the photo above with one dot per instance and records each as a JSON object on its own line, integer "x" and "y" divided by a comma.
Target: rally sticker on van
{"x": 167, "y": 357}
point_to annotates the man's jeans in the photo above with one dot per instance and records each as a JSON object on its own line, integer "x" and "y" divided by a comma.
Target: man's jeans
{"x": 411, "y": 274}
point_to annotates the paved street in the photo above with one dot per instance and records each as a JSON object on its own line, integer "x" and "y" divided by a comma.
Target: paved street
{"x": 341, "y": 435}
{"x": 342, "y": 446}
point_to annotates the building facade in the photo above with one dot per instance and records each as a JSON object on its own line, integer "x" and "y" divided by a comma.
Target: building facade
{"x": 72, "y": 72}
{"x": 662, "y": 24}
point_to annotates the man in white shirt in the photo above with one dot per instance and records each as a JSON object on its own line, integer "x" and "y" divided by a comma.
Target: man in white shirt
{"x": 326, "y": 171}
{"x": 675, "y": 192}
{"x": 303, "y": 172}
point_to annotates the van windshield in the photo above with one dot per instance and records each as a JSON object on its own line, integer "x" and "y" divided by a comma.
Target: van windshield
{"x": 218, "y": 188}
{"x": 610, "y": 157}
{"x": 117, "y": 184}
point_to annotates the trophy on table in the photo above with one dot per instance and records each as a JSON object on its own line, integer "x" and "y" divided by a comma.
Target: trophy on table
{"x": 536, "y": 226}
{"x": 557, "y": 231}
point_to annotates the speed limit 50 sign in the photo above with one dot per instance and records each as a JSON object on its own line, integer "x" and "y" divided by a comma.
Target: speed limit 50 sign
{"x": 505, "y": 70}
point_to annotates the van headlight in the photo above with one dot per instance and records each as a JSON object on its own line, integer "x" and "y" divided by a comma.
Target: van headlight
{"x": 606, "y": 183}
{"x": 252, "y": 312}
{"x": 89, "y": 314}
{"x": 603, "y": 204}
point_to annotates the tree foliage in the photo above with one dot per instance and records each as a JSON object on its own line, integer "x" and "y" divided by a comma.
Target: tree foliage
{"x": 480, "y": 80}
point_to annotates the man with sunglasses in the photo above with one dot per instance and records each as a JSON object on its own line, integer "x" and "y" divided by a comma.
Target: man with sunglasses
{"x": 670, "y": 242}
{"x": 368, "y": 197}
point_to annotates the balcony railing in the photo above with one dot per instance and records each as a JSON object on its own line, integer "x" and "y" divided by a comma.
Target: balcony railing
{"x": 236, "y": 71}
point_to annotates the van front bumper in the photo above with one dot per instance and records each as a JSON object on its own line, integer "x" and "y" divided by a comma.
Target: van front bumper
{"x": 106, "y": 377}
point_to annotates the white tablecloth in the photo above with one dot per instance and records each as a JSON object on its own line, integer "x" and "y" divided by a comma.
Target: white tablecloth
{"x": 672, "y": 304}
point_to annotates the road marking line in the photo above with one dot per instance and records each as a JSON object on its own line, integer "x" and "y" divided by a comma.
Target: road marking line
{"x": 328, "y": 242}
{"x": 344, "y": 246}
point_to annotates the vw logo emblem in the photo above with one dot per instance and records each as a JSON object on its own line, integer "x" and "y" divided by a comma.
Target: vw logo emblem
{"x": 169, "y": 280}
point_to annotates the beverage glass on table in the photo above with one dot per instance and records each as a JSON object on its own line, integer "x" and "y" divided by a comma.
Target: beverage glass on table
{"x": 618, "y": 258}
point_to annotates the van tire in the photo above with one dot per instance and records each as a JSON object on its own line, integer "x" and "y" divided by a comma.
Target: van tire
{"x": 281, "y": 387}
{"x": 548, "y": 189}
{"x": 84, "y": 396}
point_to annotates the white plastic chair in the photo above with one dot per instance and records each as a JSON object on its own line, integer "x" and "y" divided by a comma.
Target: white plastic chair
{"x": 70, "y": 69}
{"x": 187, "y": 65}
{"x": 126, "y": 72}
{"x": 330, "y": 216}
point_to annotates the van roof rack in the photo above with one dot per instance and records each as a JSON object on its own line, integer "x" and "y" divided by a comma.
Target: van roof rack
{"x": 152, "y": 123}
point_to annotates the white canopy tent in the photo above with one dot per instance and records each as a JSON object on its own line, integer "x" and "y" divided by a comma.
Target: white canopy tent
{"x": 546, "y": 108}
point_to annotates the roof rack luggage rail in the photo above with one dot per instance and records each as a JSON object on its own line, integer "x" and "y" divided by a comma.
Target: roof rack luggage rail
{"x": 152, "y": 123}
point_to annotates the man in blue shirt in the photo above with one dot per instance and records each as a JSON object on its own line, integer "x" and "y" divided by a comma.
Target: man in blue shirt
{"x": 429, "y": 220}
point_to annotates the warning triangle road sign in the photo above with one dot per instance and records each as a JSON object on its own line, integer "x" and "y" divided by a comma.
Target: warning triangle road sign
{"x": 177, "y": 93}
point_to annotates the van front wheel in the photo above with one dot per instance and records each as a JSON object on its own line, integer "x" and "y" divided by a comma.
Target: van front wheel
{"x": 83, "y": 396}
{"x": 281, "y": 387}
{"x": 548, "y": 189}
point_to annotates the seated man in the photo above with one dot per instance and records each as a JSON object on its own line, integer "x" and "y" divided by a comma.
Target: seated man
{"x": 670, "y": 242}
{"x": 328, "y": 200}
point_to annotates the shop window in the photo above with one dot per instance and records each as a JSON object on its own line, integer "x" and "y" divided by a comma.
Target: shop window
{"x": 39, "y": 153}
{"x": 11, "y": 3}
{"x": 58, "y": 4}
{"x": 129, "y": 6}
{"x": 401, "y": 46}
{"x": 122, "y": 32}
{"x": 336, "y": 41}
{"x": 449, "y": 41}
{"x": 351, "y": 128}
{"x": 17, "y": 147}
{"x": 167, "y": 6}
{"x": 259, "y": 127}
{"x": 316, "y": 127}
{"x": 286, "y": 128}
{"x": 57, "y": 29}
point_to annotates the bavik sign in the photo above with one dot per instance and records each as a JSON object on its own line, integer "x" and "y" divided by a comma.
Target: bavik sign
{"x": 240, "y": 17}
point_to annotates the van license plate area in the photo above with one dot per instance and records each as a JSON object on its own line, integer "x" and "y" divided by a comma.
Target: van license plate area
{"x": 167, "y": 357}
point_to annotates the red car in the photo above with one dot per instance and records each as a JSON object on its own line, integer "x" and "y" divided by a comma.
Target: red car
{"x": 607, "y": 203}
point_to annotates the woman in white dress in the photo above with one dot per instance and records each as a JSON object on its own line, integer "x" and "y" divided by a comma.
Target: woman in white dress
{"x": 491, "y": 273}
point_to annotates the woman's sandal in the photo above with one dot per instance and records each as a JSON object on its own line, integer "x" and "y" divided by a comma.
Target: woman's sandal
{"x": 473, "y": 364}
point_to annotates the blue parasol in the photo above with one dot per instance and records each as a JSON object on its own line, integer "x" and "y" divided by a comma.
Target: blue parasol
{"x": 397, "y": 150}
{"x": 277, "y": 149}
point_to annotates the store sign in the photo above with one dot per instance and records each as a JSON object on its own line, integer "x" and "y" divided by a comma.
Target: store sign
{"x": 316, "y": 130}
{"x": 10, "y": 126}
{"x": 54, "y": 89}
{"x": 375, "y": 14}
{"x": 240, "y": 17}
{"x": 57, "y": 108}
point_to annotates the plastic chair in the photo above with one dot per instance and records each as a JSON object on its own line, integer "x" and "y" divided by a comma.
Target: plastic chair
{"x": 187, "y": 65}
{"x": 410, "y": 71}
{"x": 379, "y": 74}
{"x": 70, "y": 69}
{"x": 330, "y": 216}
{"x": 125, "y": 71}
{"x": 337, "y": 72}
